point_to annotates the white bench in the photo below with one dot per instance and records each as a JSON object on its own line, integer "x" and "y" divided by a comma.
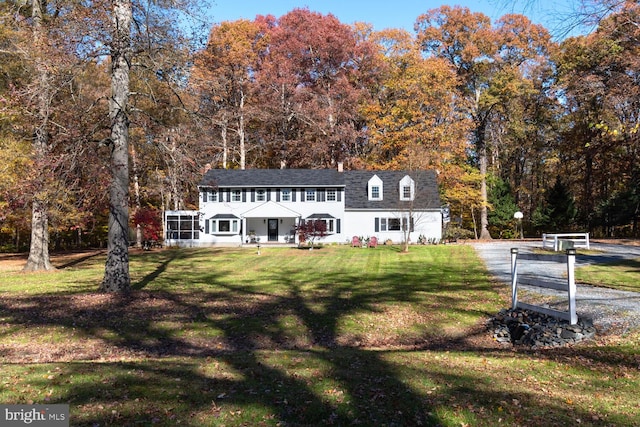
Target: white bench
{"x": 581, "y": 239}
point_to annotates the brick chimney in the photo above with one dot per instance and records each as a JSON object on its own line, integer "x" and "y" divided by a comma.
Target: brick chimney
{"x": 340, "y": 167}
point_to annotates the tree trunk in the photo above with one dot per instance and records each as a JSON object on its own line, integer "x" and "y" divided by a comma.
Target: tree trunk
{"x": 116, "y": 277}
{"x": 481, "y": 121}
{"x": 136, "y": 193}
{"x": 473, "y": 220}
{"x": 484, "y": 212}
{"x": 241, "y": 135}
{"x": 39, "y": 248}
{"x": 225, "y": 145}
{"x": 174, "y": 171}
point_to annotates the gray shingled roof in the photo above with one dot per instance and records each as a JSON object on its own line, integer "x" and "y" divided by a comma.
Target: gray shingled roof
{"x": 355, "y": 183}
{"x": 357, "y": 196}
{"x": 272, "y": 178}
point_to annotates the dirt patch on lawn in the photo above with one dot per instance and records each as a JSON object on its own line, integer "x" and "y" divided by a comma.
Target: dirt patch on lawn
{"x": 12, "y": 262}
{"x": 17, "y": 261}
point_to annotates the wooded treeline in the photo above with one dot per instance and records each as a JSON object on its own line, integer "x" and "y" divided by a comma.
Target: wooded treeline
{"x": 509, "y": 119}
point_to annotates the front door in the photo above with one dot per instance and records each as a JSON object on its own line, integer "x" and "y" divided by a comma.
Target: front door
{"x": 273, "y": 230}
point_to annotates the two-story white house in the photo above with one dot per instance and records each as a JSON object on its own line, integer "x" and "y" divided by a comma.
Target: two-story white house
{"x": 266, "y": 205}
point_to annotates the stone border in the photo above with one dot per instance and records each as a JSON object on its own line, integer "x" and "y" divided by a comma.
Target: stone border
{"x": 537, "y": 330}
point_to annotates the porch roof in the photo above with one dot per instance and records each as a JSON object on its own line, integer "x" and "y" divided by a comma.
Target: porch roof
{"x": 224, "y": 216}
{"x": 271, "y": 209}
{"x": 320, "y": 216}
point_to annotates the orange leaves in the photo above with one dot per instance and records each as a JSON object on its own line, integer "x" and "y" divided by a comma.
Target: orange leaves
{"x": 411, "y": 116}
{"x": 232, "y": 52}
{"x": 455, "y": 33}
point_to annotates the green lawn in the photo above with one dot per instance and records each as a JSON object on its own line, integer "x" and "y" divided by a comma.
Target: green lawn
{"x": 623, "y": 275}
{"x": 333, "y": 336}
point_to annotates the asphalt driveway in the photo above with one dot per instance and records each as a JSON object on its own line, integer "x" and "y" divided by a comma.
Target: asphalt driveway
{"x": 608, "y": 308}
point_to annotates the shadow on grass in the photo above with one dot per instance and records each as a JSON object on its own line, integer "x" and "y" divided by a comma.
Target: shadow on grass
{"x": 170, "y": 255}
{"x": 81, "y": 259}
{"x": 239, "y": 355}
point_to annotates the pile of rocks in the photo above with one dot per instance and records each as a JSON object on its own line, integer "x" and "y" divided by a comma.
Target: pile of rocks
{"x": 536, "y": 330}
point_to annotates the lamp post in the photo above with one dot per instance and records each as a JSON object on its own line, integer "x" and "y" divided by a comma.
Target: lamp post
{"x": 518, "y": 217}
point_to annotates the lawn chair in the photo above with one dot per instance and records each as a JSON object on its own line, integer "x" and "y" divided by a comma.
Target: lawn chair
{"x": 373, "y": 242}
{"x": 355, "y": 242}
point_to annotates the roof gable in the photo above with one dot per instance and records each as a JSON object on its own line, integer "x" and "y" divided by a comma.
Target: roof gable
{"x": 270, "y": 209}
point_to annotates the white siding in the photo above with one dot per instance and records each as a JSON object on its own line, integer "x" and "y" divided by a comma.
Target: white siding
{"x": 363, "y": 223}
{"x": 255, "y": 217}
{"x": 273, "y": 220}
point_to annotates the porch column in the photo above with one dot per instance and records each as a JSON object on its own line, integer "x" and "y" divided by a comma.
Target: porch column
{"x": 243, "y": 237}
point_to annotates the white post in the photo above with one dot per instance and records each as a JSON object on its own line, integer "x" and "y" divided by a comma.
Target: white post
{"x": 514, "y": 278}
{"x": 243, "y": 235}
{"x": 571, "y": 261}
{"x": 587, "y": 239}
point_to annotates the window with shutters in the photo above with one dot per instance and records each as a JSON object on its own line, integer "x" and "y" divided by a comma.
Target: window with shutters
{"x": 210, "y": 196}
{"x": 224, "y": 226}
{"x": 310, "y": 195}
{"x": 393, "y": 224}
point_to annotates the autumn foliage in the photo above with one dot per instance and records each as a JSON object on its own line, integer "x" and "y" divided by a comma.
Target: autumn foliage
{"x": 310, "y": 230}
{"x": 479, "y": 102}
{"x": 150, "y": 221}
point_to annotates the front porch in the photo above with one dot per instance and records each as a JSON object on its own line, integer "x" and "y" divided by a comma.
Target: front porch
{"x": 269, "y": 223}
{"x": 269, "y": 230}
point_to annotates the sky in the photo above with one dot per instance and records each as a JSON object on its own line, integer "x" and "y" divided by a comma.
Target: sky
{"x": 393, "y": 13}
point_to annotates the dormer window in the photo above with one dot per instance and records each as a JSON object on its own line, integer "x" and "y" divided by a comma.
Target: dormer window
{"x": 407, "y": 188}
{"x": 406, "y": 192}
{"x": 375, "y": 188}
{"x": 375, "y": 192}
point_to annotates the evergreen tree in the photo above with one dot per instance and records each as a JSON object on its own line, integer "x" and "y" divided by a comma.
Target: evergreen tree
{"x": 503, "y": 206}
{"x": 620, "y": 211}
{"x": 559, "y": 210}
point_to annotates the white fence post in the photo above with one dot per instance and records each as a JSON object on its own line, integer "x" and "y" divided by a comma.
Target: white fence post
{"x": 514, "y": 278}
{"x": 571, "y": 279}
